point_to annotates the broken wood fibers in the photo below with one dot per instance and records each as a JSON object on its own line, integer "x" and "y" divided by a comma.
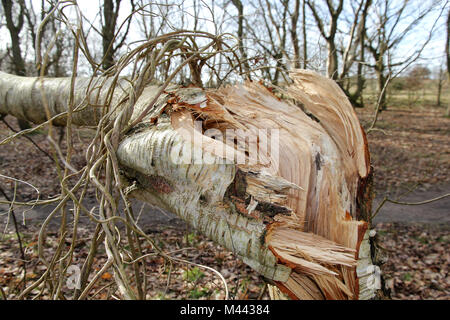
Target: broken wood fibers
{"x": 323, "y": 154}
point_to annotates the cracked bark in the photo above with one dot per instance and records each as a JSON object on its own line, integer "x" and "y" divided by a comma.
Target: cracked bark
{"x": 299, "y": 216}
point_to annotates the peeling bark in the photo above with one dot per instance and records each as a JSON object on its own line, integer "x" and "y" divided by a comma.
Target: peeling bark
{"x": 298, "y": 216}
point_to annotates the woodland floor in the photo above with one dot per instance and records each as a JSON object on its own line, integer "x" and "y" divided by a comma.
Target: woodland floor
{"x": 411, "y": 159}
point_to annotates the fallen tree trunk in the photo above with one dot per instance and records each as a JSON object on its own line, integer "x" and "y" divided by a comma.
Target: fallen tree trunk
{"x": 292, "y": 199}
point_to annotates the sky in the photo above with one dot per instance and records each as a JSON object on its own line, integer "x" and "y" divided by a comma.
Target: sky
{"x": 432, "y": 55}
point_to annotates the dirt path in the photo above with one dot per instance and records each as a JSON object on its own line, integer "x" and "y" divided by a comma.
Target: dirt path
{"x": 434, "y": 212}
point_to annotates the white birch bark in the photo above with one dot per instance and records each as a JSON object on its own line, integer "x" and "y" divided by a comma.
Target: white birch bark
{"x": 257, "y": 212}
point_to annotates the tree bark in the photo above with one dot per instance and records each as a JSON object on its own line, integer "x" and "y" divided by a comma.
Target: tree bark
{"x": 447, "y": 53}
{"x": 14, "y": 31}
{"x": 332, "y": 58}
{"x": 108, "y": 32}
{"x": 240, "y": 8}
{"x": 111, "y": 41}
{"x": 305, "y": 42}
{"x": 299, "y": 215}
{"x": 294, "y": 36}
{"x": 447, "y": 44}
{"x": 381, "y": 83}
{"x": 439, "y": 91}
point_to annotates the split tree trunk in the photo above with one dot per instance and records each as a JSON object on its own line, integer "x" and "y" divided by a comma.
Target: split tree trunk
{"x": 299, "y": 215}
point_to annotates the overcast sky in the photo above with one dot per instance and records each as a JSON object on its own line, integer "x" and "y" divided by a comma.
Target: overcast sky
{"x": 432, "y": 55}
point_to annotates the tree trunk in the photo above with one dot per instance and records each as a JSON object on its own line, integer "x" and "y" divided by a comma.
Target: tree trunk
{"x": 294, "y": 36}
{"x": 108, "y": 32}
{"x": 440, "y": 81}
{"x": 358, "y": 95}
{"x": 14, "y": 32}
{"x": 360, "y": 81}
{"x": 298, "y": 214}
{"x": 447, "y": 44}
{"x": 332, "y": 60}
{"x": 447, "y": 53}
{"x": 240, "y": 7}
{"x": 381, "y": 83}
{"x": 305, "y": 43}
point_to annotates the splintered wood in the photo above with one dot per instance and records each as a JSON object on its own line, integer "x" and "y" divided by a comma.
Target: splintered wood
{"x": 311, "y": 180}
{"x": 282, "y": 181}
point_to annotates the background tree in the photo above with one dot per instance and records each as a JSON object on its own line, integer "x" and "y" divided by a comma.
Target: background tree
{"x": 305, "y": 42}
{"x": 240, "y": 33}
{"x": 266, "y": 44}
{"x": 294, "y": 35}
{"x": 389, "y": 28}
{"x": 353, "y": 48}
{"x": 51, "y": 36}
{"x": 447, "y": 43}
{"x": 441, "y": 75}
{"x": 447, "y": 53}
{"x": 268, "y": 34}
{"x": 15, "y": 10}
{"x": 357, "y": 96}
{"x": 330, "y": 35}
{"x": 415, "y": 82}
{"x": 112, "y": 41}
{"x": 11, "y": 10}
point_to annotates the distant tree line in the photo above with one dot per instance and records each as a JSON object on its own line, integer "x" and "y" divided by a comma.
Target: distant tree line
{"x": 347, "y": 40}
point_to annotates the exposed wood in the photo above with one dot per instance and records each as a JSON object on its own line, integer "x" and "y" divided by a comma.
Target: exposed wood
{"x": 291, "y": 211}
